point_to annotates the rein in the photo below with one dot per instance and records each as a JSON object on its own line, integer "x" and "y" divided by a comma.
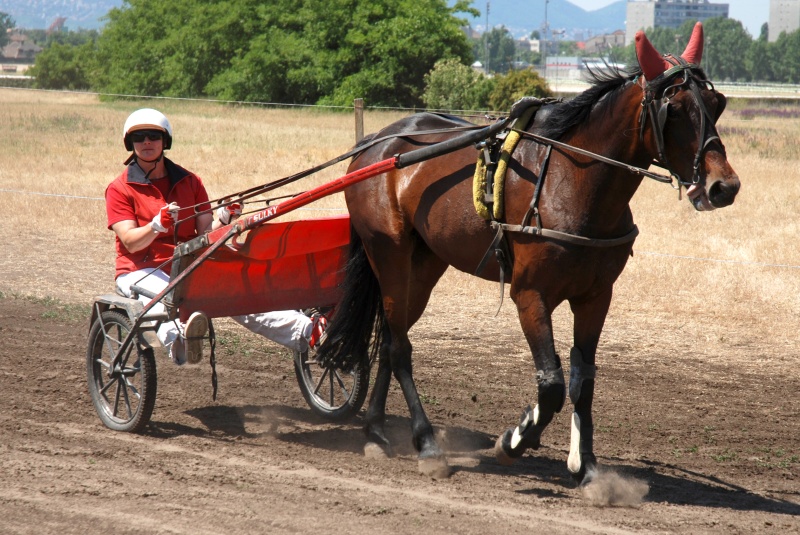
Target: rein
{"x": 243, "y": 195}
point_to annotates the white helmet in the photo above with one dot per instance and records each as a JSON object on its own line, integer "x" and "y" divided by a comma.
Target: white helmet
{"x": 147, "y": 119}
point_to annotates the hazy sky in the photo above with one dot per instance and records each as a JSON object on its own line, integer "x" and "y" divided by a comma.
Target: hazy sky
{"x": 752, "y": 13}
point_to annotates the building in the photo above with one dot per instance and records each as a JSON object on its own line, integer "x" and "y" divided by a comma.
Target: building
{"x": 19, "y": 48}
{"x": 784, "y": 16}
{"x": 643, "y": 14}
{"x": 601, "y": 44}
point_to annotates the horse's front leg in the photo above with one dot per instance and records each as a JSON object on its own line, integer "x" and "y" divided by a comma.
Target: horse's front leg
{"x": 589, "y": 317}
{"x": 535, "y": 318}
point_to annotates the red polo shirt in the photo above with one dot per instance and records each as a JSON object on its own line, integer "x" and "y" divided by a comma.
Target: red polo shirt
{"x": 132, "y": 197}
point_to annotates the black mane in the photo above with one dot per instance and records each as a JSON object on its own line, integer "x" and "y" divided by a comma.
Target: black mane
{"x": 564, "y": 116}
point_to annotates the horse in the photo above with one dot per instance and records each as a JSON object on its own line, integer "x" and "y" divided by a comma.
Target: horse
{"x": 574, "y": 172}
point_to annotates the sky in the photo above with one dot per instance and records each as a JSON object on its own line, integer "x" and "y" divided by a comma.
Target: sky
{"x": 752, "y": 13}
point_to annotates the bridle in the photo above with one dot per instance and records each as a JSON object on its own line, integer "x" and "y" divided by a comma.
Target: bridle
{"x": 657, "y": 108}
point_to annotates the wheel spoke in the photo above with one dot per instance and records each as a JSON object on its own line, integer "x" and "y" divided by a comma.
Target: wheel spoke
{"x": 133, "y": 389}
{"x": 342, "y": 385}
{"x": 319, "y": 383}
{"x": 331, "y": 389}
{"x": 107, "y": 386}
{"x": 115, "y": 408}
{"x": 126, "y": 399}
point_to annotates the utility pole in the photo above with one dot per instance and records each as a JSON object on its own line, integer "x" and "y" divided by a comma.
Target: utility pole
{"x": 486, "y": 41}
{"x": 546, "y": 29}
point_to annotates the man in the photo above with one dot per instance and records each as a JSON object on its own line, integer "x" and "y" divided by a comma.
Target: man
{"x": 143, "y": 204}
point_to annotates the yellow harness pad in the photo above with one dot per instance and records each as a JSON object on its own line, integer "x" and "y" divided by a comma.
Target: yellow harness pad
{"x": 479, "y": 181}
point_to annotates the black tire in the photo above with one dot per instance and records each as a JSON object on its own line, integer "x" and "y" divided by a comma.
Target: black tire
{"x": 123, "y": 398}
{"x": 331, "y": 393}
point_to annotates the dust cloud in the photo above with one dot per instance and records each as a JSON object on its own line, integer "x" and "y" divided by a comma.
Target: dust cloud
{"x": 610, "y": 489}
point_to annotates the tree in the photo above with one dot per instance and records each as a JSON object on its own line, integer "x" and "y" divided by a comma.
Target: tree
{"x": 452, "y": 85}
{"x": 299, "y": 51}
{"x": 726, "y": 46}
{"x": 500, "y": 46}
{"x": 63, "y": 67}
{"x": 150, "y": 47}
{"x": 785, "y": 62}
{"x": 758, "y": 61}
{"x": 515, "y": 85}
{"x": 6, "y": 23}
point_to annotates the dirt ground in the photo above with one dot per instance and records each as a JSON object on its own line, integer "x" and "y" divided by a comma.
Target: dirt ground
{"x": 714, "y": 439}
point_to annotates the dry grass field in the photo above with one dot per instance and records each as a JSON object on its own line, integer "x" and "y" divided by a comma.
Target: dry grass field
{"x": 708, "y": 304}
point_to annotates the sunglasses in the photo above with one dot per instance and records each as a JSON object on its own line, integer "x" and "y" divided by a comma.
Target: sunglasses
{"x": 141, "y": 135}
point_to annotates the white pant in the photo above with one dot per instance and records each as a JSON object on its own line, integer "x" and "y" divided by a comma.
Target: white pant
{"x": 290, "y": 328}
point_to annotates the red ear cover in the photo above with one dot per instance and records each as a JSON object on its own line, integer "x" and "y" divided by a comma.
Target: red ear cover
{"x": 694, "y": 50}
{"x": 651, "y": 62}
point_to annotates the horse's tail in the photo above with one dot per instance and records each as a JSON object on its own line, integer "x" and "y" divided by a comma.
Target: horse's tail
{"x": 357, "y": 316}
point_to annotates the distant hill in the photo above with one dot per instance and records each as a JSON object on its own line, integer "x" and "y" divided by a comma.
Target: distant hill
{"x": 40, "y": 14}
{"x": 521, "y": 17}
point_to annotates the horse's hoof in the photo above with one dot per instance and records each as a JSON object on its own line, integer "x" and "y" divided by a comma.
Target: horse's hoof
{"x": 435, "y": 467}
{"x": 587, "y": 472}
{"x": 501, "y": 455}
{"x": 373, "y": 450}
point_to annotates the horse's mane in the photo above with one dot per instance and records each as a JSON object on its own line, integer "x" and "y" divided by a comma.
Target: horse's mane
{"x": 566, "y": 115}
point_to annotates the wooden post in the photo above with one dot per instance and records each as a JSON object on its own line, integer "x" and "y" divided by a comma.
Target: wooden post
{"x": 358, "y": 104}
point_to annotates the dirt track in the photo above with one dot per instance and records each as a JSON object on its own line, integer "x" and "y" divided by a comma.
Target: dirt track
{"x": 714, "y": 442}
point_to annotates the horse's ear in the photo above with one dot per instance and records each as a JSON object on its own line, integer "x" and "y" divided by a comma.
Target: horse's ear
{"x": 651, "y": 62}
{"x": 694, "y": 50}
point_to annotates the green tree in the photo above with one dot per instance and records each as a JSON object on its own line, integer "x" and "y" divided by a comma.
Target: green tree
{"x": 299, "y": 51}
{"x": 63, "y": 67}
{"x": 726, "y": 45}
{"x": 500, "y": 46}
{"x": 515, "y": 85}
{"x": 785, "y": 62}
{"x": 758, "y": 60}
{"x": 150, "y": 47}
{"x": 6, "y": 23}
{"x": 452, "y": 85}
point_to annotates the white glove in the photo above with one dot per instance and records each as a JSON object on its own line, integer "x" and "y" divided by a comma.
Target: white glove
{"x": 226, "y": 213}
{"x": 165, "y": 218}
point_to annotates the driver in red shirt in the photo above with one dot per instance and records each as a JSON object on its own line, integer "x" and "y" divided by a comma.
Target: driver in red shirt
{"x": 143, "y": 204}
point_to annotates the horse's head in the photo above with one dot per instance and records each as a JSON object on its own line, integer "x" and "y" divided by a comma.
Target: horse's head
{"x": 683, "y": 108}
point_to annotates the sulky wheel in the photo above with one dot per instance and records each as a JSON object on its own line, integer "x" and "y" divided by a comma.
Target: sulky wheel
{"x": 125, "y": 396}
{"x": 331, "y": 393}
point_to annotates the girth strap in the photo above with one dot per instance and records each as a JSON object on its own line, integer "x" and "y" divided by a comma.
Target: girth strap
{"x": 571, "y": 238}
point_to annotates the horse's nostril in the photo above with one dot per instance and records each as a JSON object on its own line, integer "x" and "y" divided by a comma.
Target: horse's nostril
{"x": 722, "y": 193}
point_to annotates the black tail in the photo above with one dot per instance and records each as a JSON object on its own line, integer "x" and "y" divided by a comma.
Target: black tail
{"x": 357, "y": 316}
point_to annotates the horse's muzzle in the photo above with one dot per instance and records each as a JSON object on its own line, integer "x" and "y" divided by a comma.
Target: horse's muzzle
{"x": 718, "y": 194}
{"x": 721, "y": 193}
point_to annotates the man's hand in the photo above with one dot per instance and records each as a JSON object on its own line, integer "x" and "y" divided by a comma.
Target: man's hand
{"x": 165, "y": 218}
{"x": 226, "y": 213}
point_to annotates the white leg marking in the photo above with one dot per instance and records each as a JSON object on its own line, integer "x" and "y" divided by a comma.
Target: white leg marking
{"x": 574, "y": 459}
{"x": 516, "y": 438}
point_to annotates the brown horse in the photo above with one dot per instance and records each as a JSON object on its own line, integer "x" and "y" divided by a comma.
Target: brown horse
{"x": 410, "y": 224}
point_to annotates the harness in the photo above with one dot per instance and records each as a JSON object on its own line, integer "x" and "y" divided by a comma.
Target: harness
{"x": 657, "y": 110}
{"x": 654, "y": 107}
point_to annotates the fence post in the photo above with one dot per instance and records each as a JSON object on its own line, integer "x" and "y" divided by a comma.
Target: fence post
{"x": 358, "y": 105}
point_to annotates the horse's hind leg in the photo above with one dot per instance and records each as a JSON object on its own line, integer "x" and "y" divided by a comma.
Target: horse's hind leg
{"x": 589, "y": 317}
{"x": 406, "y": 287}
{"x": 536, "y": 323}
{"x": 376, "y": 411}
